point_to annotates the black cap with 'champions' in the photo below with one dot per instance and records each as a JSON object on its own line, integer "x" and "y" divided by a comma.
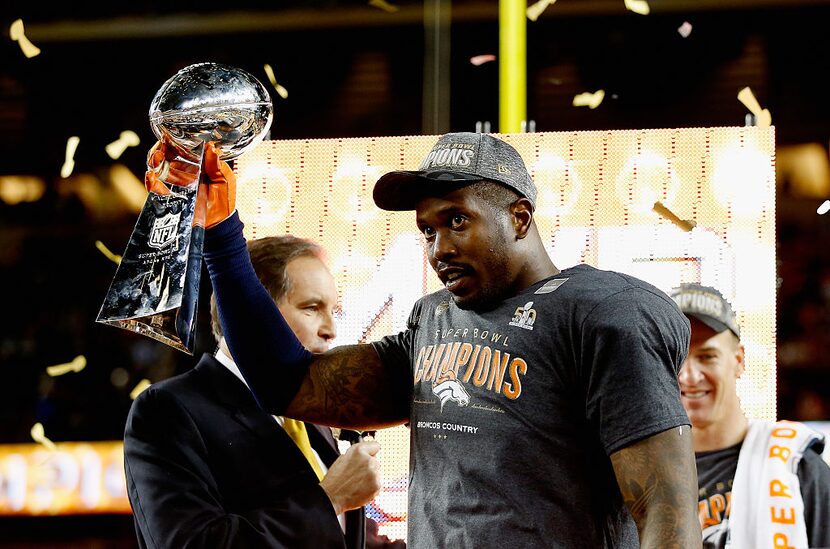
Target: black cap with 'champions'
{"x": 707, "y": 305}
{"x": 457, "y": 159}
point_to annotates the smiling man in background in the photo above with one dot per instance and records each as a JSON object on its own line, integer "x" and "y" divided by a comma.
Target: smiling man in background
{"x": 761, "y": 483}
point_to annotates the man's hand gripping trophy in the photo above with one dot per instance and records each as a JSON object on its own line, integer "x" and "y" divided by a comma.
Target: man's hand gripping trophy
{"x": 216, "y": 199}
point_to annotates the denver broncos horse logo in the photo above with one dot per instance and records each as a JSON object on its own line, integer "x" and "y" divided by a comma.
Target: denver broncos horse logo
{"x": 450, "y": 389}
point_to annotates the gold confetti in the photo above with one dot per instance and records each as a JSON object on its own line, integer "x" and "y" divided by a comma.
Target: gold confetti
{"x": 763, "y": 116}
{"x": 69, "y": 163}
{"x": 684, "y": 224}
{"x": 481, "y": 59}
{"x": 280, "y": 90}
{"x": 138, "y": 389}
{"x": 17, "y": 33}
{"x": 588, "y": 99}
{"x": 126, "y": 139}
{"x": 384, "y": 5}
{"x": 534, "y": 11}
{"x": 824, "y": 208}
{"x": 78, "y": 363}
{"x": 115, "y": 258}
{"x": 39, "y": 436}
{"x": 638, "y": 6}
{"x": 685, "y": 29}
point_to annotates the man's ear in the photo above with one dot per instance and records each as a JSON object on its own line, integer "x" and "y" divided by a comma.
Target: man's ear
{"x": 521, "y": 215}
{"x": 740, "y": 357}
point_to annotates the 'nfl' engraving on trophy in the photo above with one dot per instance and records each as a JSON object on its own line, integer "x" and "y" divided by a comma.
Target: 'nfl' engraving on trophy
{"x": 163, "y": 232}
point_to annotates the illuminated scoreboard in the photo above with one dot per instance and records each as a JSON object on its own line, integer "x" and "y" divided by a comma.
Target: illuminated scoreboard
{"x": 714, "y": 223}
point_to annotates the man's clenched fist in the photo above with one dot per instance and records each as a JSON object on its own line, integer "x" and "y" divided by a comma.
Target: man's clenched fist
{"x": 353, "y": 479}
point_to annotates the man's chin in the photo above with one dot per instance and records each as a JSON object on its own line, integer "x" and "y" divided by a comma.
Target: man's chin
{"x": 475, "y": 302}
{"x": 698, "y": 421}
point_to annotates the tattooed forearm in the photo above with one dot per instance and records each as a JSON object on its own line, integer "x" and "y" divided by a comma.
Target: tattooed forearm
{"x": 658, "y": 481}
{"x": 350, "y": 387}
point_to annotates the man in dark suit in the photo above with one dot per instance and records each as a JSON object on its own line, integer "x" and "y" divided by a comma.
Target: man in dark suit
{"x": 206, "y": 467}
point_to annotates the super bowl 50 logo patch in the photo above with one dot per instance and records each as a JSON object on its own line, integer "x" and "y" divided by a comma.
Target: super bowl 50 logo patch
{"x": 164, "y": 230}
{"x": 524, "y": 317}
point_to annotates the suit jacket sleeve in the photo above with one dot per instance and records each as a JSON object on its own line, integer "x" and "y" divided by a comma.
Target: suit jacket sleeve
{"x": 176, "y": 501}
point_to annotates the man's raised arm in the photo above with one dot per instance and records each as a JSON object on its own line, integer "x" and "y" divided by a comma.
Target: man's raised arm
{"x": 347, "y": 387}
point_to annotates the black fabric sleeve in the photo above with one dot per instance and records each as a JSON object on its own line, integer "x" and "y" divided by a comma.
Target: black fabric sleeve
{"x": 269, "y": 355}
{"x": 814, "y": 478}
{"x": 394, "y": 350}
{"x": 176, "y": 502}
{"x": 633, "y": 344}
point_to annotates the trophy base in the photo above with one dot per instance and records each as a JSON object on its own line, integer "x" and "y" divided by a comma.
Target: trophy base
{"x": 146, "y": 327}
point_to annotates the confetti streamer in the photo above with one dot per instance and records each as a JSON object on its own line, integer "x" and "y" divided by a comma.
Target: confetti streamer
{"x": 638, "y": 6}
{"x": 384, "y": 5}
{"x": 69, "y": 163}
{"x": 685, "y": 29}
{"x": 39, "y": 436}
{"x": 588, "y": 99}
{"x": 824, "y": 208}
{"x": 280, "y": 90}
{"x": 664, "y": 212}
{"x": 126, "y": 139}
{"x": 481, "y": 59}
{"x": 78, "y": 363}
{"x": 115, "y": 258}
{"x": 534, "y": 11}
{"x": 17, "y": 33}
{"x": 763, "y": 116}
{"x": 138, "y": 389}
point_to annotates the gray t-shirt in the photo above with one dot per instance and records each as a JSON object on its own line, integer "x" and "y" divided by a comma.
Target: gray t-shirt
{"x": 516, "y": 410}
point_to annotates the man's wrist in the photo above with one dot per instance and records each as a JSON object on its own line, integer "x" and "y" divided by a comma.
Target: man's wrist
{"x": 337, "y": 508}
{"x": 225, "y": 226}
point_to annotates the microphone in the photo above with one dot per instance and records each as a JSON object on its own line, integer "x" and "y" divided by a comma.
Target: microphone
{"x": 354, "y": 437}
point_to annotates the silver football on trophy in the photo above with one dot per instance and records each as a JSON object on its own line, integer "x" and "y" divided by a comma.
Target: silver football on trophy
{"x": 212, "y": 102}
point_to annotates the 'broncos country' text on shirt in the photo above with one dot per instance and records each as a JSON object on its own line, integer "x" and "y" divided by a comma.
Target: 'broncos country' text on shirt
{"x": 515, "y": 410}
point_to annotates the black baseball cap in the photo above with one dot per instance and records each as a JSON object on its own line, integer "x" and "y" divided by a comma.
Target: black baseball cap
{"x": 456, "y": 160}
{"x": 708, "y": 306}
